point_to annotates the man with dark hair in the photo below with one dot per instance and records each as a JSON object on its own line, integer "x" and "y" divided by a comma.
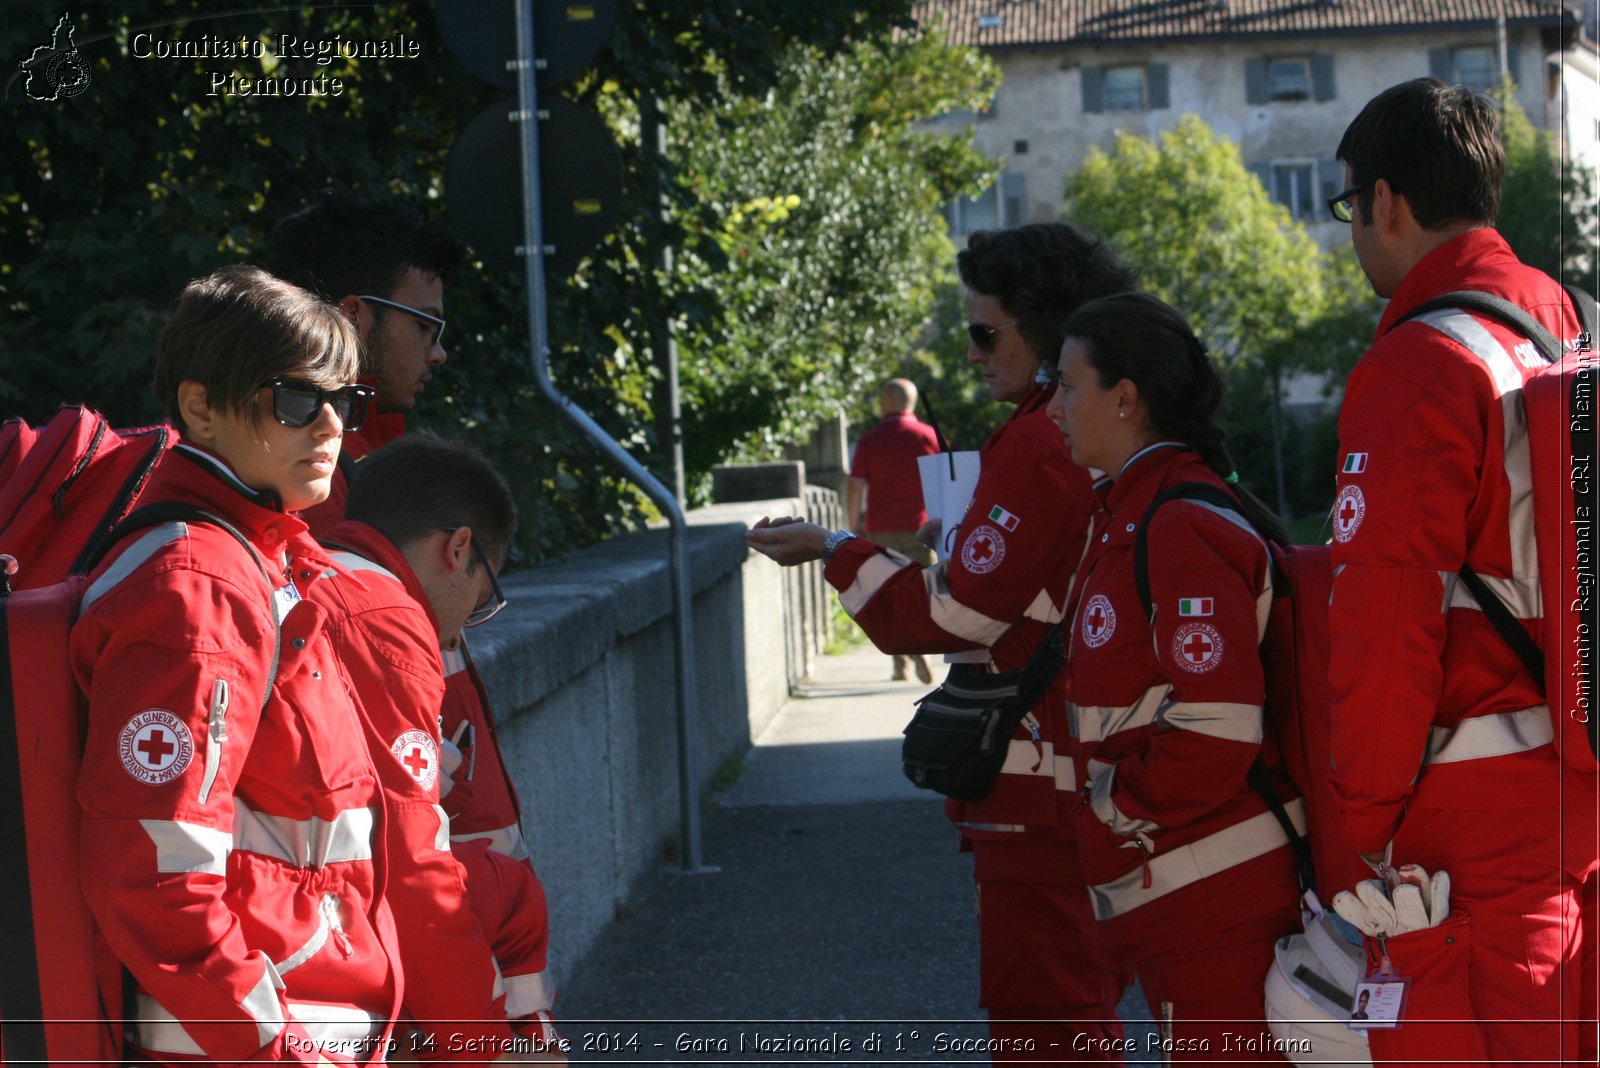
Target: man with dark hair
{"x": 1006, "y": 582}
{"x": 427, "y": 528}
{"x": 385, "y": 264}
{"x": 1442, "y": 751}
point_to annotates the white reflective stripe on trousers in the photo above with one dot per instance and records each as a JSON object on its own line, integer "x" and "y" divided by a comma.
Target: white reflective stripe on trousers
{"x": 1188, "y": 864}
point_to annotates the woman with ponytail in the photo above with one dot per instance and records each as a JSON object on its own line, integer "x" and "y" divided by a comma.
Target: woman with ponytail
{"x": 1189, "y": 872}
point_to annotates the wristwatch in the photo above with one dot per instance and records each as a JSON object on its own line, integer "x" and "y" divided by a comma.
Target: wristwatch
{"x": 831, "y": 543}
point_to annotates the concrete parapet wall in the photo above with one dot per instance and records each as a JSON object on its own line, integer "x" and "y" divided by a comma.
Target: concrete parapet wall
{"x": 581, "y": 673}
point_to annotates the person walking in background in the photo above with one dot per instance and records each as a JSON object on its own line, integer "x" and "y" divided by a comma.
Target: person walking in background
{"x": 884, "y": 470}
{"x": 1190, "y": 873}
{"x": 1443, "y": 750}
{"x": 1042, "y": 978}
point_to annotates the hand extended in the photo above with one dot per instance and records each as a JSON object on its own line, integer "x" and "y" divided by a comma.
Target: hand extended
{"x": 929, "y": 532}
{"x": 787, "y": 539}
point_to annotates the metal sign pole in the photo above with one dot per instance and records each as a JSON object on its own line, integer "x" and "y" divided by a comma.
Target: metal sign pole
{"x": 538, "y": 326}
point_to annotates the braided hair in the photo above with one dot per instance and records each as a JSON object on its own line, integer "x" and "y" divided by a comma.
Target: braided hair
{"x": 1138, "y": 337}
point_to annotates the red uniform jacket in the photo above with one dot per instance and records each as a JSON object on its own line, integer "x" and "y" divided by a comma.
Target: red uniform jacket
{"x": 479, "y": 795}
{"x": 385, "y": 635}
{"x": 1011, "y": 569}
{"x": 378, "y": 430}
{"x": 886, "y": 460}
{"x": 1432, "y": 475}
{"x": 510, "y": 903}
{"x": 233, "y": 855}
{"x": 1169, "y": 716}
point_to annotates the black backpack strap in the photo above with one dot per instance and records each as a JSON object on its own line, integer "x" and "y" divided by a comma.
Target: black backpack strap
{"x": 1518, "y": 319}
{"x": 1258, "y": 777}
{"x": 154, "y": 515}
{"x": 1495, "y": 609}
{"x": 1583, "y": 303}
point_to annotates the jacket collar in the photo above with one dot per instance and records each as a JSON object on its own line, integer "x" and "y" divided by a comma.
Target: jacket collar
{"x": 369, "y": 543}
{"x": 1447, "y": 268}
{"x": 1142, "y": 474}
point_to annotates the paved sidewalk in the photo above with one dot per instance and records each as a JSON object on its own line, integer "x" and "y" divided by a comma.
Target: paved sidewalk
{"x": 842, "y": 911}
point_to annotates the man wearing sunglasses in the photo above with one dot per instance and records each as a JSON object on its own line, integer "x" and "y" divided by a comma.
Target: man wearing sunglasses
{"x": 427, "y": 528}
{"x": 386, "y": 267}
{"x": 1006, "y": 582}
{"x": 1442, "y": 751}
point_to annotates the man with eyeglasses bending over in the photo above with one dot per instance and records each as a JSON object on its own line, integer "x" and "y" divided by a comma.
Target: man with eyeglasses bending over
{"x": 427, "y": 528}
{"x": 1006, "y": 582}
{"x": 1442, "y": 753}
{"x": 385, "y": 265}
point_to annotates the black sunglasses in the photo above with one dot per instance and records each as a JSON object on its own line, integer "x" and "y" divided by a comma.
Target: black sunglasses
{"x": 1340, "y": 206}
{"x": 983, "y": 335}
{"x": 296, "y": 403}
{"x": 497, "y": 599}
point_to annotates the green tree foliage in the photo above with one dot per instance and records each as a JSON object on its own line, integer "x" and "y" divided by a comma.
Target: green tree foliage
{"x": 112, "y": 199}
{"x": 1256, "y": 288}
{"x": 1545, "y": 199}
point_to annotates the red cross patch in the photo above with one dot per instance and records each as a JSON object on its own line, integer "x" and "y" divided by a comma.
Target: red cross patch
{"x": 155, "y": 746}
{"x": 1197, "y": 647}
{"x": 983, "y": 550}
{"x": 1099, "y": 621}
{"x": 418, "y": 753}
{"x": 1348, "y": 511}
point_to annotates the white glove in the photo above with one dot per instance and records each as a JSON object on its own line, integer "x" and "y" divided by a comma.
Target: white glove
{"x": 1352, "y": 908}
{"x": 1412, "y": 902}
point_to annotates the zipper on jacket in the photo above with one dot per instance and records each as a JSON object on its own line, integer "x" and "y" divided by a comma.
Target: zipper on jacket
{"x": 330, "y": 912}
{"x": 328, "y": 923}
{"x": 217, "y": 728}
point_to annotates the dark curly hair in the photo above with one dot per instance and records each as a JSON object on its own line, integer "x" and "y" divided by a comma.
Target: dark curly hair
{"x": 1041, "y": 273}
{"x": 1138, "y": 337}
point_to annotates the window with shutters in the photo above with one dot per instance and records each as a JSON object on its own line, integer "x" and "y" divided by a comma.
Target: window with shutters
{"x": 1289, "y": 79}
{"x": 1003, "y": 204}
{"x": 1474, "y": 68}
{"x": 1293, "y": 186}
{"x": 1124, "y": 88}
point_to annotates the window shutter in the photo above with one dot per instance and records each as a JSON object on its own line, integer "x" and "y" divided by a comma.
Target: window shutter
{"x": 1013, "y": 199}
{"x": 1442, "y": 65}
{"x": 1511, "y": 61}
{"x": 1255, "y": 80}
{"x": 1330, "y": 179}
{"x": 1155, "y": 78}
{"x": 1322, "y": 76}
{"x": 1094, "y": 97}
{"x": 1263, "y": 173}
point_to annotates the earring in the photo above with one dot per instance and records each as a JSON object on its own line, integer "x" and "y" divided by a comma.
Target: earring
{"x": 1122, "y": 415}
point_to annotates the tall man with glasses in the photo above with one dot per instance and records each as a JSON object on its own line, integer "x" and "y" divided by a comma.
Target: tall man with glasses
{"x": 386, "y": 265}
{"x": 1006, "y": 582}
{"x": 427, "y": 527}
{"x": 1442, "y": 751}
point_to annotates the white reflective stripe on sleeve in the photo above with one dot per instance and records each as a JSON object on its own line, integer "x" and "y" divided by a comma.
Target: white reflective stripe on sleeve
{"x": 1522, "y": 597}
{"x": 1491, "y": 736}
{"x": 188, "y": 847}
{"x": 454, "y": 661}
{"x": 528, "y": 994}
{"x": 868, "y": 580}
{"x": 352, "y": 562}
{"x": 507, "y": 840}
{"x": 1216, "y": 719}
{"x": 1096, "y": 723}
{"x": 951, "y": 615}
{"x": 1066, "y": 774}
{"x": 146, "y": 546}
{"x": 311, "y": 843}
{"x": 1043, "y": 608}
{"x": 1008, "y": 828}
{"x": 1024, "y": 756}
{"x": 341, "y": 1029}
{"x": 1475, "y": 337}
{"x": 1107, "y": 811}
{"x": 158, "y": 1030}
{"x": 441, "y": 837}
{"x": 1188, "y": 864}
{"x": 1229, "y": 514}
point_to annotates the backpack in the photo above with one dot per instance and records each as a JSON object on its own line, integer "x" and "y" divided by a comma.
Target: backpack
{"x": 1298, "y": 708}
{"x": 1559, "y": 404}
{"x": 62, "y": 989}
{"x": 64, "y": 485}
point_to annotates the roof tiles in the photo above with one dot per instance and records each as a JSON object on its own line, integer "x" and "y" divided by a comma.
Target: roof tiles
{"x": 1020, "y": 23}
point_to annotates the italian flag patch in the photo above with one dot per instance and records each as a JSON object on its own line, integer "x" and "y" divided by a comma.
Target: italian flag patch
{"x": 1355, "y": 463}
{"x": 1195, "y": 606}
{"x": 999, "y": 515}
